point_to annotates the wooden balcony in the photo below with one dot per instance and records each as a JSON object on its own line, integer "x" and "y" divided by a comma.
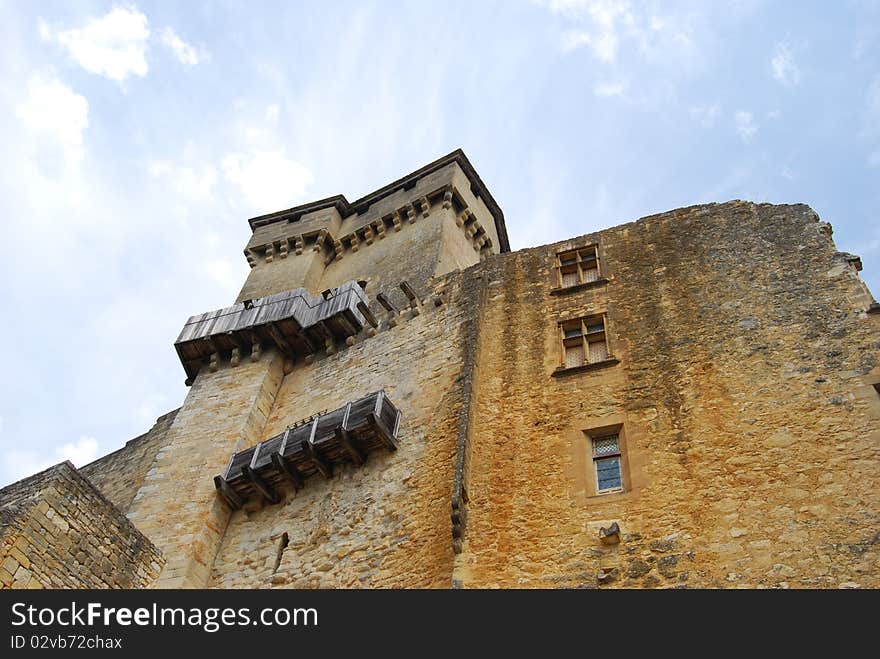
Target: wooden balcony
{"x": 315, "y": 446}
{"x": 295, "y": 322}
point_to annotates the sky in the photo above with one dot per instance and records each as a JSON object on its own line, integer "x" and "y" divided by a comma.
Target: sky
{"x": 139, "y": 137}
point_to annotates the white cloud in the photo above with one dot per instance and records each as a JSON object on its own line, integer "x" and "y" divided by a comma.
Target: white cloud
{"x": 187, "y": 54}
{"x": 193, "y": 183}
{"x": 272, "y": 112}
{"x": 606, "y": 25}
{"x": 228, "y": 274}
{"x": 784, "y": 68}
{"x": 267, "y": 179}
{"x": 113, "y": 45}
{"x": 18, "y": 463}
{"x": 81, "y": 453}
{"x": 606, "y": 19}
{"x": 745, "y": 124}
{"x": 874, "y": 159}
{"x": 56, "y": 117}
{"x": 609, "y": 88}
{"x": 706, "y": 114}
{"x": 774, "y": 114}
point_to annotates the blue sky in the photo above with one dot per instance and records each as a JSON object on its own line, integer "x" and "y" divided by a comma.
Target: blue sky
{"x": 138, "y": 138}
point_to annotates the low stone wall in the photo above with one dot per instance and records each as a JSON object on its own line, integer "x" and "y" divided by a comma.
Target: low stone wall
{"x": 58, "y": 531}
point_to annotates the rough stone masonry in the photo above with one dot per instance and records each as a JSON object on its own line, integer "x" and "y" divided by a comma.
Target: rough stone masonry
{"x": 688, "y": 400}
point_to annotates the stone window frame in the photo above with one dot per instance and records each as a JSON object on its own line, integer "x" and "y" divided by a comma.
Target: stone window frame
{"x": 592, "y": 435}
{"x": 572, "y": 262}
{"x": 587, "y": 333}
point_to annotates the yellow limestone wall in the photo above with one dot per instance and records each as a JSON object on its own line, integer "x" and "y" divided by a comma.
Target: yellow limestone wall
{"x": 744, "y": 388}
{"x": 387, "y": 523}
{"x": 178, "y": 507}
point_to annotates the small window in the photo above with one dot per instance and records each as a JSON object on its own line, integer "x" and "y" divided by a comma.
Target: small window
{"x": 578, "y": 266}
{"x": 606, "y": 459}
{"x": 584, "y": 341}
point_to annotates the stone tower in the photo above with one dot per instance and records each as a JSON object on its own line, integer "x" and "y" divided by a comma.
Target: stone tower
{"x": 396, "y": 400}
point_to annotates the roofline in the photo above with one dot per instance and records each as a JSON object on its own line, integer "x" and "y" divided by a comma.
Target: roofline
{"x": 346, "y": 208}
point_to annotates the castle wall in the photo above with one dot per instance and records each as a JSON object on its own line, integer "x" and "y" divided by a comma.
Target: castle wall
{"x": 387, "y": 523}
{"x": 58, "y": 531}
{"x": 745, "y": 390}
{"x": 120, "y": 474}
{"x": 178, "y": 507}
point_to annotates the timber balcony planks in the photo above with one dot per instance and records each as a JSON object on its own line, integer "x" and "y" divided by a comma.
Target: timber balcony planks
{"x": 345, "y": 435}
{"x": 295, "y": 321}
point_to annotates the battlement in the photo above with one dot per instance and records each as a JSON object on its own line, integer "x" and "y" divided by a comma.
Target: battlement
{"x": 437, "y": 219}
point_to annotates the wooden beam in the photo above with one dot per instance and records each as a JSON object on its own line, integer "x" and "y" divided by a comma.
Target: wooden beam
{"x": 239, "y": 340}
{"x": 284, "y": 466}
{"x": 320, "y": 464}
{"x": 396, "y": 426}
{"x": 386, "y": 303}
{"x": 261, "y": 486}
{"x": 308, "y": 447}
{"x": 410, "y": 294}
{"x": 344, "y": 438}
{"x": 380, "y": 398}
{"x": 387, "y": 435}
{"x": 279, "y": 340}
{"x": 366, "y": 313}
{"x": 225, "y": 489}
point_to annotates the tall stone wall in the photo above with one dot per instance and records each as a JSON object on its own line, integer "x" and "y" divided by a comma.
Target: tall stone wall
{"x": 387, "y": 523}
{"x": 745, "y": 391}
{"x": 58, "y": 531}
{"x": 119, "y": 475}
{"x": 177, "y": 507}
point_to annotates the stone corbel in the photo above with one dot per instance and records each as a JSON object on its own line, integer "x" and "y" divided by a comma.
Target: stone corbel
{"x": 426, "y": 206}
{"x": 319, "y": 242}
{"x": 368, "y": 234}
{"x": 380, "y": 228}
{"x": 299, "y": 244}
{"x": 285, "y": 246}
{"x": 270, "y": 253}
{"x": 395, "y": 219}
{"x": 251, "y": 258}
{"x": 411, "y": 214}
{"x": 338, "y": 248}
{"x": 354, "y": 242}
{"x": 447, "y": 198}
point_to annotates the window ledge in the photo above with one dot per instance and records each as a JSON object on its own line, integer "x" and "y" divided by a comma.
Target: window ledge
{"x": 609, "y": 494}
{"x": 563, "y": 290}
{"x": 874, "y": 307}
{"x": 563, "y": 370}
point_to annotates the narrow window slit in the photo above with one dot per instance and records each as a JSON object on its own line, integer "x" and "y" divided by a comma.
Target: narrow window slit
{"x": 283, "y": 541}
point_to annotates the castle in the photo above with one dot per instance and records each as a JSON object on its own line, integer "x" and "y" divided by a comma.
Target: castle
{"x": 396, "y": 399}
